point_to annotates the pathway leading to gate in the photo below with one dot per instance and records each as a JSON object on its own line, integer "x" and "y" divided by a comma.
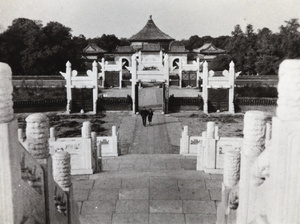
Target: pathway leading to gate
{"x": 150, "y": 182}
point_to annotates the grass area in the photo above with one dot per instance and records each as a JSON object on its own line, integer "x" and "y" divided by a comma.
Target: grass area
{"x": 70, "y": 125}
{"x": 35, "y": 93}
{"x": 230, "y": 125}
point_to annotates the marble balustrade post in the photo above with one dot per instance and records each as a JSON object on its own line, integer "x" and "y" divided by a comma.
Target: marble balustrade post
{"x": 37, "y": 134}
{"x": 210, "y": 148}
{"x": 200, "y": 152}
{"x": 253, "y": 145}
{"x": 231, "y": 178}
{"x": 11, "y": 205}
{"x": 184, "y": 141}
{"x": 62, "y": 169}
{"x": 284, "y": 195}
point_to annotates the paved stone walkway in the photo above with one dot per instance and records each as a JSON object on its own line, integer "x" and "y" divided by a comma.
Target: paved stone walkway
{"x": 150, "y": 182}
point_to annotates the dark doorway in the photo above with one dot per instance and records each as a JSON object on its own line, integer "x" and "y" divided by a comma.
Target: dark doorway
{"x": 112, "y": 79}
{"x": 82, "y": 99}
{"x": 189, "y": 78}
{"x": 218, "y": 100}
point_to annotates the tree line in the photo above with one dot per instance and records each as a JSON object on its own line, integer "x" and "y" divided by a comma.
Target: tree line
{"x": 33, "y": 49}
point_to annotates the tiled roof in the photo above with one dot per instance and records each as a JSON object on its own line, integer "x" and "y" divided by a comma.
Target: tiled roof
{"x": 151, "y": 47}
{"x": 209, "y": 48}
{"x": 150, "y": 32}
{"x": 124, "y": 49}
{"x": 178, "y": 49}
{"x": 92, "y": 48}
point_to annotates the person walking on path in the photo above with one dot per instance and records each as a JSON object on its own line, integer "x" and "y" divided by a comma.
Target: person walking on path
{"x": 150, "y": 115}
{"x": 144, "y": 114}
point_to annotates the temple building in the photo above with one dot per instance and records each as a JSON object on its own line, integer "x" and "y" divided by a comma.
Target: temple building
{"x": 92, "y": 52}
{"x": 207, "y": 52}
{"x": 152, "y": 47}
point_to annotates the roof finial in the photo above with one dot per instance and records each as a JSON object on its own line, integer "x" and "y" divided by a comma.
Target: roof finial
{"x": 150, "y": 17}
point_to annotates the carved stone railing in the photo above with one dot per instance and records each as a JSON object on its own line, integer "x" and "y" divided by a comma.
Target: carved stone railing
{"x": 27, "y": 187}
{"x": 210, "y": 148}
{"x": 268, "y": 188}
{"x": 84, "y": 157}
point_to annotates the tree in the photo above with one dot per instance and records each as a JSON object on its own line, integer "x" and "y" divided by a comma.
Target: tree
{"x": 194, "y": 42}
{"x": 15, "y": 40}
{"x": 236, "y": 47}
{"x": 124, "y": 42}
{"x": 220, "y": 63}
{"x": 290, "y": 39}
{"x": 268, "y": 53}
{"x": 107, "y": 42}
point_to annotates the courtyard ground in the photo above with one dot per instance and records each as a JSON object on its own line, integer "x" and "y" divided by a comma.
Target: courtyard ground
{"x": 149, "y": 182}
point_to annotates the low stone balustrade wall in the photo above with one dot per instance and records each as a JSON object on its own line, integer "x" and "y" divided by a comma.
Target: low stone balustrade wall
{"x": 85, "y": 150}
{"x": 209, "y": 148}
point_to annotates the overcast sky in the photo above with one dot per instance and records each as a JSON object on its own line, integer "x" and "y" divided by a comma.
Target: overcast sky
{"x": 178, "y": 18}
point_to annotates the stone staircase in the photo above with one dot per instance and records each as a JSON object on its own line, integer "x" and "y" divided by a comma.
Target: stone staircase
{"x": 151, "y": 184}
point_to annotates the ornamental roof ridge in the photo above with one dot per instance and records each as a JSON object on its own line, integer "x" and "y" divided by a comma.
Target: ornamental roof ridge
{"x": 150, "y": 32}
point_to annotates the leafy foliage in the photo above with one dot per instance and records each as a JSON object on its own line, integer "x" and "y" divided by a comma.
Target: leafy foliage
{"x": 33, "y": 49}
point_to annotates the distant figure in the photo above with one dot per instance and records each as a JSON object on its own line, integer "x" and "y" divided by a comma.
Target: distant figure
{"x": 144, "y": 114}
{"x": 150, "y": 115}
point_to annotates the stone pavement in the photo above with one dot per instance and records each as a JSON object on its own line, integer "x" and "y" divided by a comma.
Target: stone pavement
{"x": 150, "y": 182}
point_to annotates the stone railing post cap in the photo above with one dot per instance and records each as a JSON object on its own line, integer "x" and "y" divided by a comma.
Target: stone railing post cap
{"x": 37, "y": 117}
{"x": 5, "y": 70}
{"x": 61, "y": 154}
{"x": 255, "y": 113}
{"x": 289, "y": 64}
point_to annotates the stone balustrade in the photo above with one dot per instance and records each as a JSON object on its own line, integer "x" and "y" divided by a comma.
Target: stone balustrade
{"x": 209, "y": 148}
{"x": 84, "y": 150}
{"x": 28, "y": 191}
{"x": 268, "y": 187}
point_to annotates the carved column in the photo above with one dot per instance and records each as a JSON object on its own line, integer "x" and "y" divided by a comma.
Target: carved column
{"x": 62, "y": 169}
{"x": 184, "y": 141}
{"x": 95, "y": 83}
{"x": 198, "y": 72}
{"x": 103, "y": 72}
{"x": 87, "y": 149}
{"x": 284, "y": 165}
{"x": 200, "y": 152}
{"x": 204, "y": 87}
{"x": 86, "y": 129}
{"x": 37, "y": 133}
{"x": 268, "y": 135}
{"x": 52, "y": 133}
{"x": 231, "y": 177}
{"x": 210, "y": 148}
{"x": 231, "y": 89}
{"x": 254, "y": 144}
{"x": 166, "y": 69}
{"x": 231, "y": 173}
{"x": 10, "y": 158}
{"x": 133, "y": 82}
{"x": 114, "y": 140}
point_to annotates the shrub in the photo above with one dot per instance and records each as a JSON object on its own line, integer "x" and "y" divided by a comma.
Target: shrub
{"x": 256, "y": 91}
